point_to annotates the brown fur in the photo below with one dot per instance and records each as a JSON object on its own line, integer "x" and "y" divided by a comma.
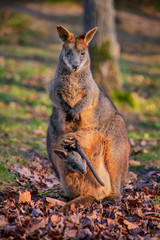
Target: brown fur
{"x": 98, "y": 127}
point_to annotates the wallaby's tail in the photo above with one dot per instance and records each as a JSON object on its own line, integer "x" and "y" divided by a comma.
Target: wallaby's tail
{"x": 83, "y": 155}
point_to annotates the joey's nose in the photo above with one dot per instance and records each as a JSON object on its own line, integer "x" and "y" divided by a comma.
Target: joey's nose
{"x": 84, "y": 170}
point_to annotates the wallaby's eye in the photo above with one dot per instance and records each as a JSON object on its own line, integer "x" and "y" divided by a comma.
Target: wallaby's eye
{"x": 68, "y": 52}
{"x": 82, "y": 53}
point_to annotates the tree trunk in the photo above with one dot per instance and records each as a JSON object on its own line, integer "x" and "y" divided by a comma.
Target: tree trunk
{"x": 104, "y": 49}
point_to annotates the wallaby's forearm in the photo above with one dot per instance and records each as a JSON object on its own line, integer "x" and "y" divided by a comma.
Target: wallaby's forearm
{"x": 85, "y": 103}
{"x": 59, "y": 101}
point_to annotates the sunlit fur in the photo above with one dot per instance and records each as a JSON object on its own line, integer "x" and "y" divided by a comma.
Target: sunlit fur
{"x": 81, "y": 108}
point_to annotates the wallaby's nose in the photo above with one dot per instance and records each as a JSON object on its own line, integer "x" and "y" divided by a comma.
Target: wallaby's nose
{"x": 75, "y": 66}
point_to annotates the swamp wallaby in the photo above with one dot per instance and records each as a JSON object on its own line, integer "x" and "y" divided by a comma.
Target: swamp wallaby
{"x": 82, "y": 109}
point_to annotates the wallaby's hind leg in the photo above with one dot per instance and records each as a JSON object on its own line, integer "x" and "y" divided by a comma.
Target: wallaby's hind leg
{"x": 84, "y": 200}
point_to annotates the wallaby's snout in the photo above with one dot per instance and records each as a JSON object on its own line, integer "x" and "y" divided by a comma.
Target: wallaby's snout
{"x": 75, "y": 66}
{"x": 74, "y": 57}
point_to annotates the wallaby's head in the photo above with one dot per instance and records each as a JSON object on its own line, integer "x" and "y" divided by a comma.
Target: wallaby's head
{"x": 75, "y": 49}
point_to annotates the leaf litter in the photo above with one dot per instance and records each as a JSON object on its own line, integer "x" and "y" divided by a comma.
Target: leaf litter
{"x": 32, "y": 209}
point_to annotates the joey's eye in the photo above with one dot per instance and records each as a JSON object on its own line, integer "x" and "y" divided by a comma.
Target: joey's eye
{"x": 73, "y": 165}
{"x": 82, "y": 53}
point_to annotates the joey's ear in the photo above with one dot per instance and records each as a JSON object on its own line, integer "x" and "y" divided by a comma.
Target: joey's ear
{"x": 90, "y": 34}
{"x": 60, "y": 153}
{"x": 64, "y": 34}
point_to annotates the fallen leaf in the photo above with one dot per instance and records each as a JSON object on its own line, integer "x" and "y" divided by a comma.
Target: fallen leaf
{"x": 84, "y": 234}
{"x": 149, "y": 174}
{"x": 48, "y": 206}
{"x": 130, "y": 225}
{"x": 73, "y": 208}
{"x": 24, "y": 197}
{"x": 41, "y": 224}
{"x": 158, "y": 226}
{"x": 70, "y": 233}
{"x": 143, "y": 143}
{"x": 3, "y": 221}
{"x": 134, "y": 163}
{"x": 75, "y": 218}
{"x": 111, "y": 223}
{"x": 55, "y": 202}
{"x": 54, "y": 219}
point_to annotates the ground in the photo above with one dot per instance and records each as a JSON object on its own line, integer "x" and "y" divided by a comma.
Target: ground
{"x": 29, "y": 50}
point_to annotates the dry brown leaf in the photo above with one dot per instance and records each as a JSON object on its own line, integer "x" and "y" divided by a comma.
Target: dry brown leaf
{"x": 3, "y": 221}
{"x": 70, "y": 233}
{"x": 55, "y": 202}
{"x": 39, "y": 202}
{"x": 157, "y": 207}
{"x": 48, "y": 206}
{"x": 54, "y": 219}
{"x": 84, "y": 234}
{"x": 61, "y": 224}
{"x": 24, "y": 197}
{"x": 130, "y": 225}
{"x": 41, "y": 224}
{"x": 140, "y": 213}
{"x": 75, "y": 217}
{"x": 111, "y": 223}
{"x": 73, "y": 208}
{"x": 158, "y": 226}
{"x": 134, "y": 163}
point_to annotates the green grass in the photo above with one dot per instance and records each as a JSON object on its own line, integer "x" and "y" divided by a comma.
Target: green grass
{"x": 19, "y": 28}
{"x": 24, "y": 111}
{"x": 46, "y": 193}
{"x": 6, "y": 177}
{"x": 149, "y": 156}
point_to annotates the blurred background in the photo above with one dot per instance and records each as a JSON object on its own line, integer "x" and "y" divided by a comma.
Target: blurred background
{"x": 125, "y": 62}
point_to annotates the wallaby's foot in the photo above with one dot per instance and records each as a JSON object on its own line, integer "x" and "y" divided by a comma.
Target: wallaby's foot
{"x": 72, "y": 116}
{"x": 112, "y": 198}
{"x": 82, "y": 200}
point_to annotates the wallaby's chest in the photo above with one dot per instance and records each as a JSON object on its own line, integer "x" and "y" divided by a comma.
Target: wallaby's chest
{"x": 71, "y": 91}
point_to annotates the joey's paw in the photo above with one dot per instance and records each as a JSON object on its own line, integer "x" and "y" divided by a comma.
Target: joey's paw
{"x": 72, "y": 116}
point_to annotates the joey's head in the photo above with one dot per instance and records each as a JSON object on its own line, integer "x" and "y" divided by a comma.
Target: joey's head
{"x": 75, "y": 163}
{"x": 75, "y": 49}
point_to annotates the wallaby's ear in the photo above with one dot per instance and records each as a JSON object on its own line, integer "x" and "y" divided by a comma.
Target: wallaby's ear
{"x": 64, "y": 34}
{"x": 60, "y": 153}
{"x": 90, "y": 34}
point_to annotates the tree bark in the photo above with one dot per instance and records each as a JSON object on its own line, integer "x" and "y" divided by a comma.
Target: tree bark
{"x": 104, "y": 49}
